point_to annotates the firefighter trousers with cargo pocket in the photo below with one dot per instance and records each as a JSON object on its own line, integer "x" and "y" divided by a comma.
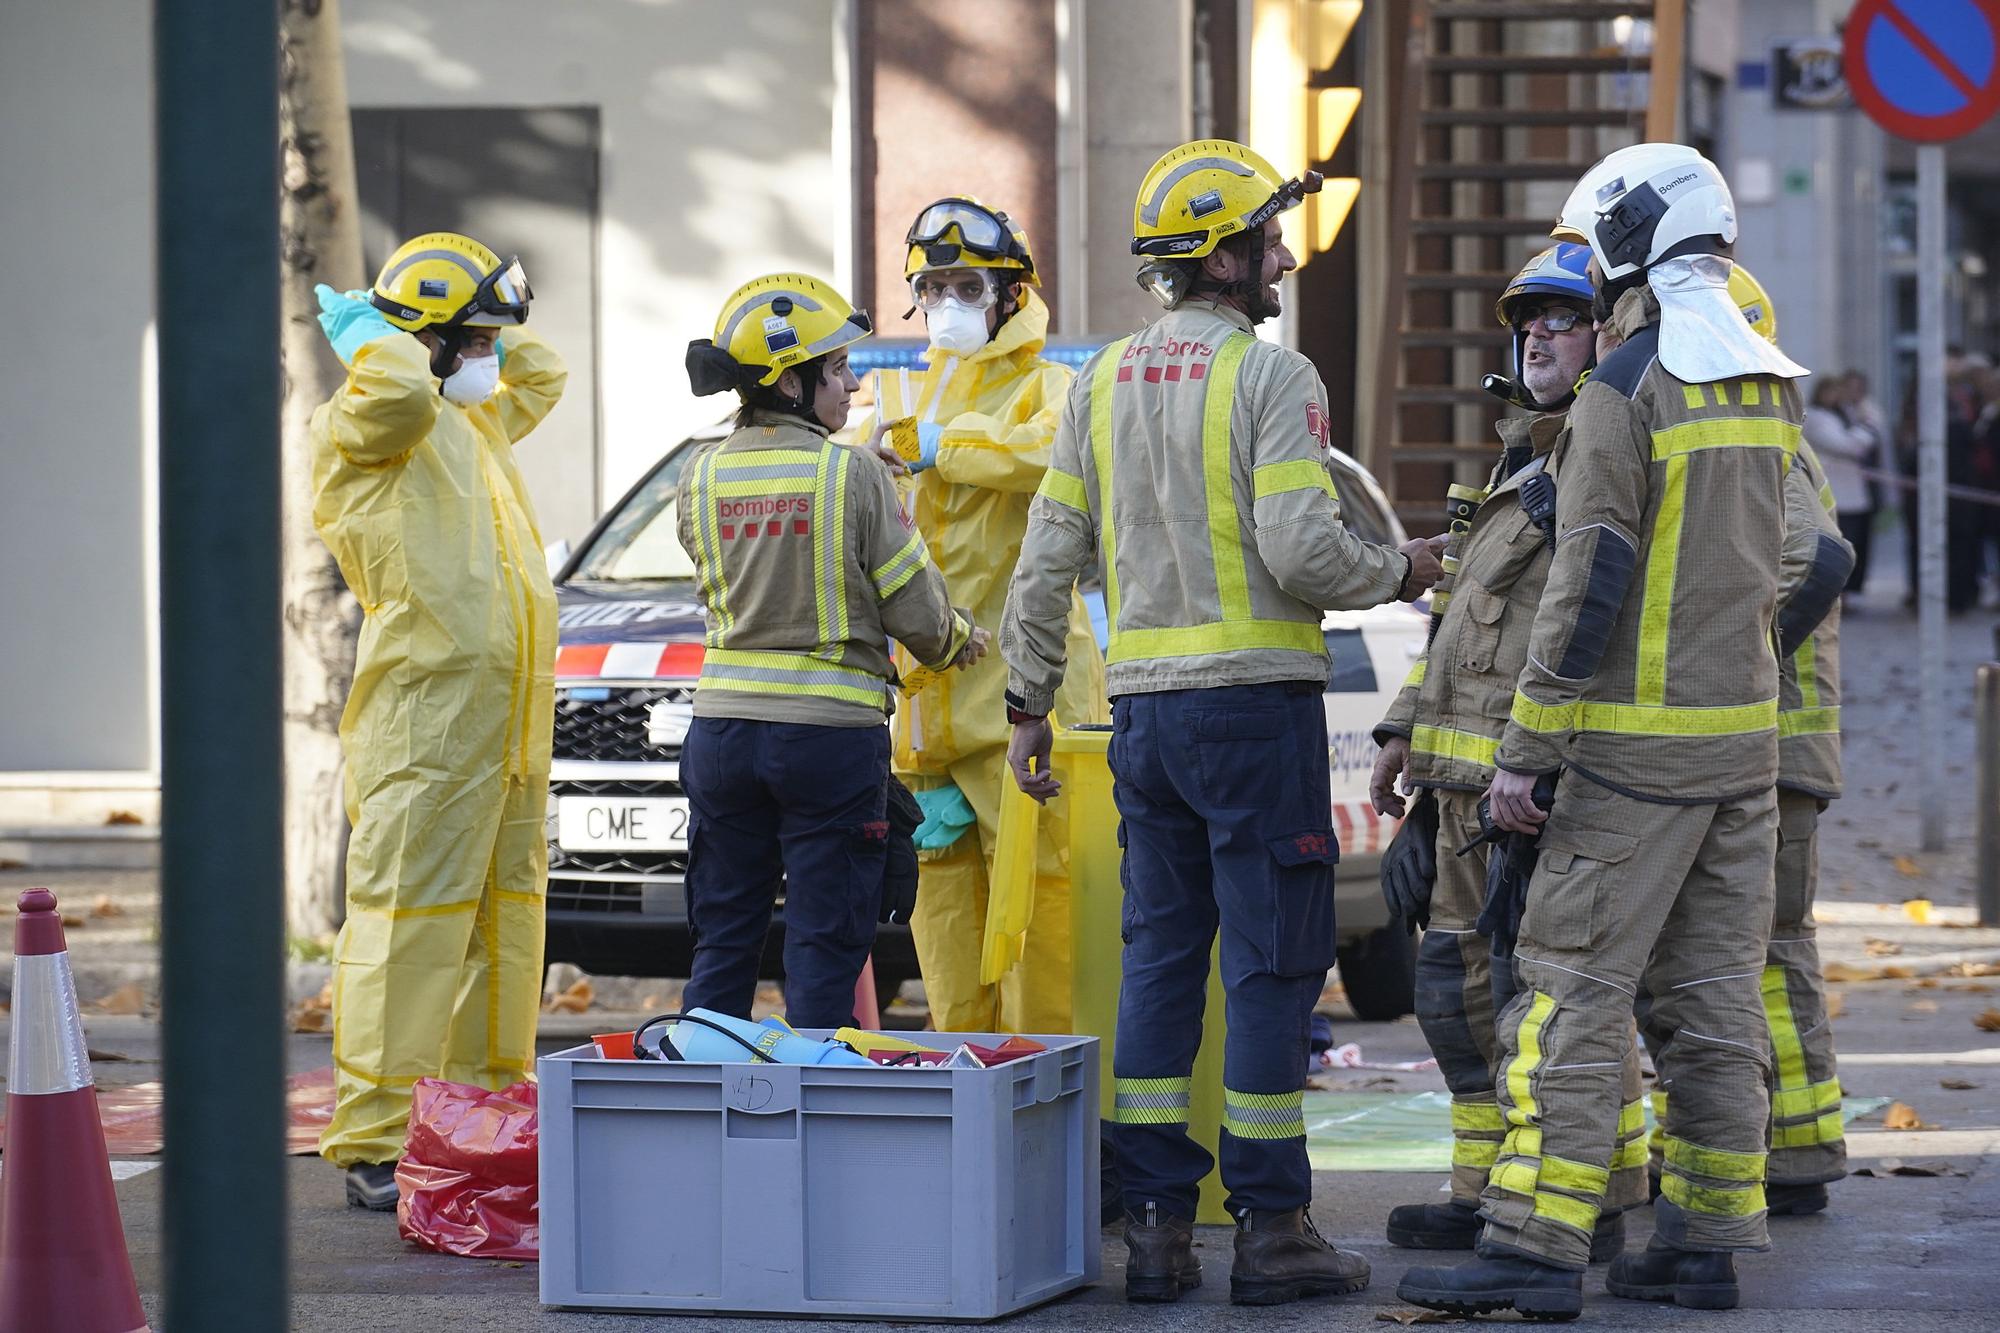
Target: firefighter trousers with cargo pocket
{"x": 1226, "y": 807}
{"x": 1621, "y": 883}
{"x": 1460, "y": 988}
{"x": 1808, "y": 1141}
{"x": 791, "y": 805}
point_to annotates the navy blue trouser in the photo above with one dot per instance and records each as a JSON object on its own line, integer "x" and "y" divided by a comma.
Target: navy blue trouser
{"x": 1227, "y": 809}
{"x": 779, "y": 803}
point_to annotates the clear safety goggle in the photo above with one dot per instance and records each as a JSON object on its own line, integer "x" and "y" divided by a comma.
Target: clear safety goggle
{"x": 981, "y": 231}
{"x": 504, "y": 293}
{"x": 973, "y": 287}
{"x": 1554, "y": 318}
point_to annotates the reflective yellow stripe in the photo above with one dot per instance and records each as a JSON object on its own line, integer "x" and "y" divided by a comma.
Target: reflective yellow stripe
{"x": 1663, "y": 555}
{"x": 762, "y": 486}
{"x": 1720, "y": 392}
{"x": 1826, "y": 498}
{"x": 1226, "y": 636}
{"x": 715, "y": 585}
{"x": 1809, "y": 722}
{"x": 1750, "y": 393}
{"x": 1225, "y": 527}
{"x": 1629, "y": 1154}
{"x": 1726, "y": 433}
{"x": 1789, "y": 1051}
{"x": 774, "y": 458}
{"x": 1294, "y": 474}
{"x": 1568, "y": 1211}
{"x": 1790, "y": 1103}
{"x": 1523, "y": 1141}
{"x": 1715, "y": 1202}
{"x": 1416, "y": 676}
{"x": 1482, "y": 1153}
{"x": 1102, "y": 382}
{"x": 1520, "y": 1070}
{"x": 1449, "y": 744}
{"x": 1720, "y": 1163}
{"x": 901, "y": 567}
{"x": 1065, "y": 490}
{"x": 1516, "y": 1177}
{"x": 1812, "y": 1134}
{"x": 788, "y": 673}
{"x": 1640, "y": 720}
{"x": 1151, "y": 1101}
{"x": 1579, "y": 1176}
{"x": 830, "y": 546}
{"x": 1264, "y": 1115}
{"x": 1806, "y": 660}
{"x": 1691, "y": 395}
{"x": 1477, "y": 1117}
{"x": 1632, "y": 1118}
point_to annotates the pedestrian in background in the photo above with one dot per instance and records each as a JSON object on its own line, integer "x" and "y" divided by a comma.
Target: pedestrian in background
{"x": 449, "y": 724}
{"x": 1846, "y": 444}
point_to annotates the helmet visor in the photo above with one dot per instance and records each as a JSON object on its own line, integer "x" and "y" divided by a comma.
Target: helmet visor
{"x": 979, "y": 231}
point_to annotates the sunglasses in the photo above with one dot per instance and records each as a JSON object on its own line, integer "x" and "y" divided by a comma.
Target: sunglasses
{"x": 1556, "y": 319}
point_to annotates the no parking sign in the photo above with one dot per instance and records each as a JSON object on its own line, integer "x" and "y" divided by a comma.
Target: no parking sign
{"x": 1927, "y": 70}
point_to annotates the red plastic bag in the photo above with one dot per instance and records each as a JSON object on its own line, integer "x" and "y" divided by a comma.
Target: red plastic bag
{"x": 467, "y": 1181}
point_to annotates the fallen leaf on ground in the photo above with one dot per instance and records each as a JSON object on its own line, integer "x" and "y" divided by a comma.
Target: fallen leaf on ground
{"x": 1917, "y": 909}
{"x": 106, "y": 906}
{"x": 315, "y": 1014}
{"x": 1957, "y": 1084}
{"x": 1976, "y": 970}
{"x": 71, "y": 921}
{"x": 1987, "y": 1020}
{"x": 1418, "y": 1317}
{"x": 129, "y": 998}
{"x": 1901, "y": 1115}
{"x": 98, "y": 1057}
{"x": 1836, "y": 1004}
{"x": 1897, "y": 972}
{"x": 1925, "y": 983}
{"x": 1905, "y": 866}
{"x": 1923, "y": 1006}
{"x": 1881, "y": 948}
{"x": 575, "y": 1000}
{"x": 122, "y": 817}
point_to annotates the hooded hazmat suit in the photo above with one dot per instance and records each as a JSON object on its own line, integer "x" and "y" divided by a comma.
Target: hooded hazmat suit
{"x": 447, "y": 730}
{"x": 997, "y": 410}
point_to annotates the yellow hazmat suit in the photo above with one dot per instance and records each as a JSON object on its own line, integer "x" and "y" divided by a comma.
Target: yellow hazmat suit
{"x": 997, "y": 410}
{"x": 447, "y": 731}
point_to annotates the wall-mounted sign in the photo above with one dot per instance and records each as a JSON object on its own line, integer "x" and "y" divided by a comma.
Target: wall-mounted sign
{"x": 1807, "y": 76}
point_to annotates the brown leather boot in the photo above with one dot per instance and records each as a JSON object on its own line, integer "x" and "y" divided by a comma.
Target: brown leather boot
{"x": 1161, "y": 1264}
{"x": 1280, "y": 1257}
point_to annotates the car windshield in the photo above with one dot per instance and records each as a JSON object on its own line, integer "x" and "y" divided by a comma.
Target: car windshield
{"x": 642, "y": 541}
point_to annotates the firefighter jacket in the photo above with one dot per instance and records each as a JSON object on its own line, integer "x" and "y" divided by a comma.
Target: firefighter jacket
{"x": 807, "y": 566}
{"x": 1651, "y": 668}
{"x": 1454, "y": 704}
{"x": 1191, "y": 463}
{"x": 1809, "y": 675}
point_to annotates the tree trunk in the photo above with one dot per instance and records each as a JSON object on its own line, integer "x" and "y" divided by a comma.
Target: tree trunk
{"x": 320, "y": 221}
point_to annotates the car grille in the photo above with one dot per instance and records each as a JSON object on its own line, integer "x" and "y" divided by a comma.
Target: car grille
{"x": 591, "y": 895}
{"x": 613, "y": 728}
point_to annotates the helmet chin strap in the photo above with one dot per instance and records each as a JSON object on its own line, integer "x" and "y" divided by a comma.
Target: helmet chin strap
{"x": 444, "y": 357}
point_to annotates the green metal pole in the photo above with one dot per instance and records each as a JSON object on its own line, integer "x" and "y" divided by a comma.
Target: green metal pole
{"x": 222, "y": 910}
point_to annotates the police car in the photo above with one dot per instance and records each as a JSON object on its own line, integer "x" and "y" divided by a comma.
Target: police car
{"x": 630, "y": 651}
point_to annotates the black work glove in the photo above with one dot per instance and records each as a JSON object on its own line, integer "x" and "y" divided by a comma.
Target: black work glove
{"x": 1409, "y": 867}
{"x": 1509, "y": 871}
{"x": 899, "y": 869}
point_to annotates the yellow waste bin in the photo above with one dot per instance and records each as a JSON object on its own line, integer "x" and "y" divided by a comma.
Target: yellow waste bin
{"x": 1081, "y": 763}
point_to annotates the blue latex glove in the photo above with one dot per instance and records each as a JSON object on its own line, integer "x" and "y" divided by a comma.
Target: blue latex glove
{"x": 947, "y": 815}
{"x": 349, "y": 321}
{"x": 929, "y": 433}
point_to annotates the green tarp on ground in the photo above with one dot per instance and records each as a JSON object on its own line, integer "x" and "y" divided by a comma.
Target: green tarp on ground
{"x": 1411, "y": 1131}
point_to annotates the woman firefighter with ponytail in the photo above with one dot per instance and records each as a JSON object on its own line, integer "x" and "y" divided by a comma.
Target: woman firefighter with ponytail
{"x": 806, "y": 566}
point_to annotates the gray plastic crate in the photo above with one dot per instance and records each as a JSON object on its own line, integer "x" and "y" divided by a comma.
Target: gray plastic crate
{"x": 960, "y": 1194}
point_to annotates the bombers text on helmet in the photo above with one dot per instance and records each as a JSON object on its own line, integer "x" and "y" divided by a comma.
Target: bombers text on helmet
{"x": 958, "y": 231}
{"x": 767, "y": 326}
{"x": 1646, "y": 203}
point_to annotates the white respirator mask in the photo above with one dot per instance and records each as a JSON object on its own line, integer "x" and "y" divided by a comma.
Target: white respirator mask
{"x": 956, "y": 327}
{"x": 473, "y": 382}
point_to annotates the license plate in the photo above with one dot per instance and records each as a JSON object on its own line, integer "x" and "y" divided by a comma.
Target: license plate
{"x": 622, "y": 824}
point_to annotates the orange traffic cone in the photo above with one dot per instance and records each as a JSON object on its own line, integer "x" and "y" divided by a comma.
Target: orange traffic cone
{"x": 62, "y": 1250}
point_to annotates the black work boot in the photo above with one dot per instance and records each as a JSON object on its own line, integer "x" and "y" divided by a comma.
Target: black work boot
{"x": 372, "y": 1185}
{"x": 1434, "y": 1226}
{"x": 1607, "y": 1239}
{"x": 1794, "y": 1200}
{"x": 1697, "y": 1279}
{"x": 1505, "y": 1282}
{"x": 1161, "y": 1264}
{"x": 1280, "y": 1257}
